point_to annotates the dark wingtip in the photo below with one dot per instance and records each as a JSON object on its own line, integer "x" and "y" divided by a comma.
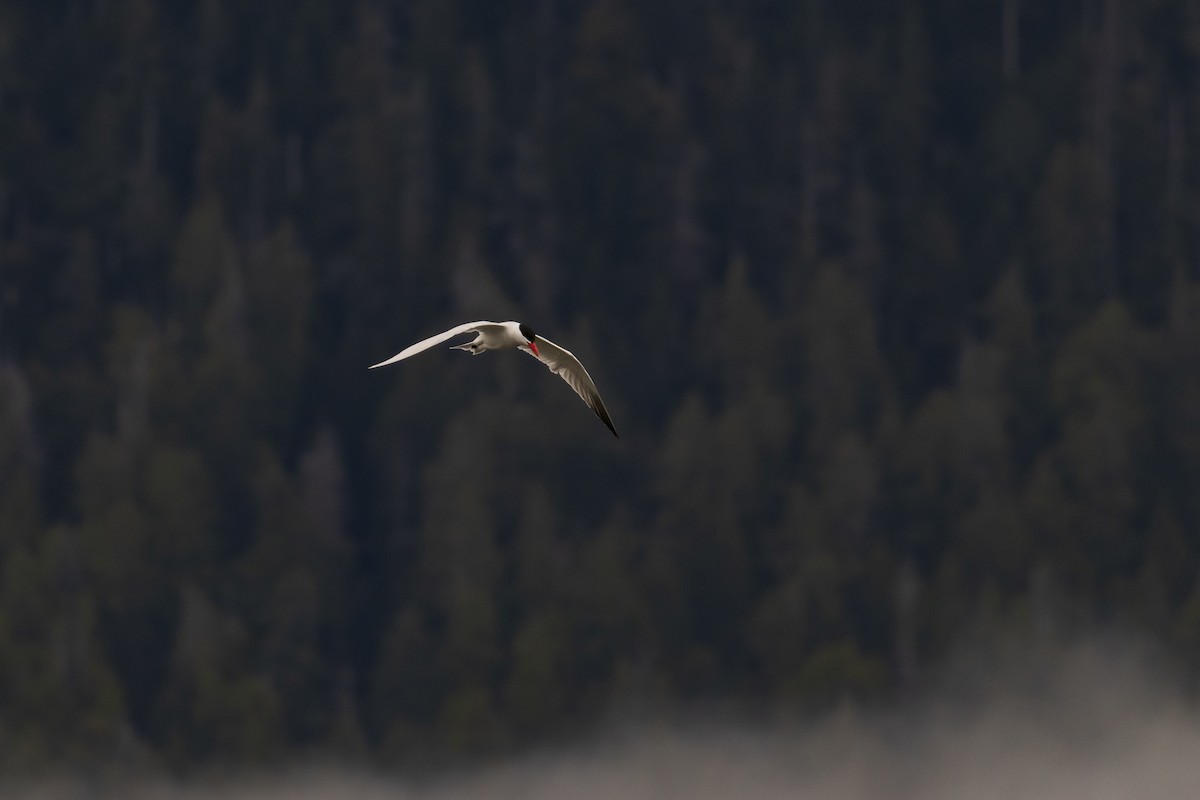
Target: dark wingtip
{"x": 604, "y": 418}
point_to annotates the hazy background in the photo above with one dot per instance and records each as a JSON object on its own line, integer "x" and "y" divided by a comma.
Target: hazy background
{"x": 896, "y": 306}
{"x": 1095, "y": 720}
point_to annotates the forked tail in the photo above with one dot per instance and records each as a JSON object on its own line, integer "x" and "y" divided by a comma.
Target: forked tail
{"x": 474, "y": 348}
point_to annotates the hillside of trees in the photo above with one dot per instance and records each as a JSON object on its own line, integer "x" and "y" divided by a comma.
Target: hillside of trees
{"x": 895, "y": 304}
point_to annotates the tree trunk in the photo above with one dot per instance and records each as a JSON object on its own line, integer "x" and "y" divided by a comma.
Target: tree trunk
{"x": 1010, "y": 40}
{"x": 1106, "y": 59}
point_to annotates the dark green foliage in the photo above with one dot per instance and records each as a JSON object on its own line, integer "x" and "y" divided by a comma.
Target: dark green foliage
{"x": 896, "y": 307}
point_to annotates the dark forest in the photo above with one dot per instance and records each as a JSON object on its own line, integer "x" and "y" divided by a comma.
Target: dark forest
{"x": 895, "y": 304}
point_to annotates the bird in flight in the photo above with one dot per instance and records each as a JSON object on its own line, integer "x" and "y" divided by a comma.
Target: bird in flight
{"x": 509, "y": 335}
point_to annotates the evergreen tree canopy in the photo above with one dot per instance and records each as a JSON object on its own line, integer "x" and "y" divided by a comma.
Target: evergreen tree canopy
{"x": 897, "y": 307}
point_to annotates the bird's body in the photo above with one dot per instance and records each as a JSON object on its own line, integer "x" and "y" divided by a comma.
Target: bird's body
{"x": 517, "y": 335}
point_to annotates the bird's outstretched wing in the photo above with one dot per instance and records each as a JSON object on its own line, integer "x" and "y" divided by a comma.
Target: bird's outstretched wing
{"x": 564, "y": 364}
{"x": 425, "y": 344}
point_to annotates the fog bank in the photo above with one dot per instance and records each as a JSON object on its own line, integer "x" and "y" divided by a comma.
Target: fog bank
{"x": 1095, "y": 721}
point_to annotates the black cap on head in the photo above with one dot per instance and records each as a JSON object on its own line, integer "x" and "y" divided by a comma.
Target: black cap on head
{"x": 527, "y": 332}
